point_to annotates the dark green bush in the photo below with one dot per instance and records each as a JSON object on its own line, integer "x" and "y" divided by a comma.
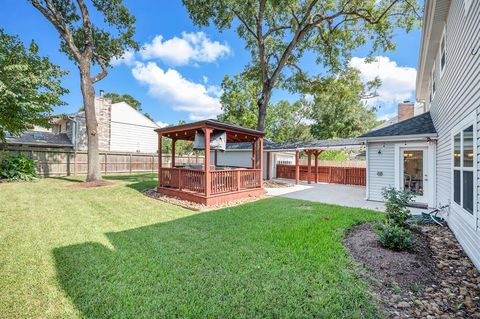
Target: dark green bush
{"x": 17, "y": 167}
{"x": 395, "y": 237}
{"x": 396, "y": 205}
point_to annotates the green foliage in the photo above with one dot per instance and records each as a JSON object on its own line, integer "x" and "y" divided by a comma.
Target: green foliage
{"x": 127, "y": 98}
{"x": 285, "y": 121}
{"x": 337, "y": 109}
{"x": 330, "y": 155}
{"x": 396, "y": 205}
{"x": 280, "y": 33}
{"x": 108, "y": 39}
{"x": 29, "y": 86}
{"x": 395, "y": 237}
{"x": 239, "y": 101}
{"x": 18, "y": 167}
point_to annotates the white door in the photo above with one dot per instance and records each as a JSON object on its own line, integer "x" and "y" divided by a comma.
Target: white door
{"x": 414, "y": 172}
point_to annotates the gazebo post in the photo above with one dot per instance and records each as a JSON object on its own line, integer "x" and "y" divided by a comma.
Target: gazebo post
{"x": 208, "y": 178}
{"x": 260, "y": 160}
{"x": 173, "y": 152}
{"x": 254, "y": 155}
{"x": 297, "y": 166}
{"x": 215, "y": 158}
{"x": 159, "y": 159}
{"x": 309, "y": 169}
{"x": 316, "y": 166}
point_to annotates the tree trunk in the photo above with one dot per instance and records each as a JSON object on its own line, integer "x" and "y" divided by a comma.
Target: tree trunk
{"x": 88, "y": 94}
{"x": 262, "y": 104}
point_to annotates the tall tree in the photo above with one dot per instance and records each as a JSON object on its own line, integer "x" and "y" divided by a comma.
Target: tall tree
{"x": 90, "y": 45}
{"x": 279, "y": 32}
{"x": 338, "y": 108}
{"x": 29, "y": 86}
{"x": 285, "y": 121}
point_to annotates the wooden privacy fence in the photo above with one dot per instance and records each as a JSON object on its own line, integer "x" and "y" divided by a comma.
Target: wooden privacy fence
{"x": 326, "y": 174}
{"x": 52, "y": 162}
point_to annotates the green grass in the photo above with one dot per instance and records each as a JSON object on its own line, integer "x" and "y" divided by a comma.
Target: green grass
{"x": 111, "y": 252}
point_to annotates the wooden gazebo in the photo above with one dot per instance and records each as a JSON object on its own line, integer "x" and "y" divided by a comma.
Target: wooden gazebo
{"x": 209, "y": 183}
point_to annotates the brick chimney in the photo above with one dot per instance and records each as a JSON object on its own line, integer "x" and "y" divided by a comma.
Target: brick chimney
{"x": 103, "y": 110}
{"x": 405, "y": 110}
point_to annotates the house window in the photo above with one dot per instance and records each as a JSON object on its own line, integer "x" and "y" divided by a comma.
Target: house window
{"x": 464, "y": 167}
{"x": 442, "y": 54}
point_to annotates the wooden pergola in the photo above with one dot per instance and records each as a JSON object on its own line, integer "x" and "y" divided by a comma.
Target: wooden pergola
{"x": 312, "y": 149}
{"x": 210, "y": 184}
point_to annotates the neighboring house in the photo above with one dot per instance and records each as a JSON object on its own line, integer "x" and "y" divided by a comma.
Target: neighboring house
{"x": 121, "y": 128}
{"x": 436, "y": 154}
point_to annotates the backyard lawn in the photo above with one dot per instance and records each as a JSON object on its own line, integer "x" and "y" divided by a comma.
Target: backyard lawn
{"x": 112, "y": 252}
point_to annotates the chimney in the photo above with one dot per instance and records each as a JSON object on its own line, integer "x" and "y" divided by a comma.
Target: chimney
{"x": 405, "y": 110}
{"x": 102, "y": 93}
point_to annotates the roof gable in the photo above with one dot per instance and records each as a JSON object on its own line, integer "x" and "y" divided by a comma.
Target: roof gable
{"x": 124, "y": 113}
{"x": 418, "y": 125}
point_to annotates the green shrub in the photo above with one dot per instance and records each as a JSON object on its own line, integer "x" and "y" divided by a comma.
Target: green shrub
{"x": 395, "y": 237}
{"x": 396, "y": 205}
{"x": 17, "y": 167}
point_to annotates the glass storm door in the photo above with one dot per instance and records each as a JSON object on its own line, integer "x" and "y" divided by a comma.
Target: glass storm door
{"x": 414, "y": 173}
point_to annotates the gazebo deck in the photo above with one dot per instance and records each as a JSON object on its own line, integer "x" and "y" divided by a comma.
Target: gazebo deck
{"x": 211, "y": 184}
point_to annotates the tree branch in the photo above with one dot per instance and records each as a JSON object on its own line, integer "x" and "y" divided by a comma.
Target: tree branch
{"x": 244, "y": 22}
{"x": 59, "y": 24}
{"x": 87, "y": 27}
{"x": 103, "y": 65}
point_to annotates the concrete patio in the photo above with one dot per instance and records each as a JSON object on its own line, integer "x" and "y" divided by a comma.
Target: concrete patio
{"x": 337, "y": 194}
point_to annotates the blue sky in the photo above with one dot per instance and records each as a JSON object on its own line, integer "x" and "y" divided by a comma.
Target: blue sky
{"x": 180, "y": 79}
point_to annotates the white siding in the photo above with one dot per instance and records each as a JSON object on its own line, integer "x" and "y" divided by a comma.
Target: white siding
{"x": 381, "y": 169}
{"x": 133, "y": 138}
{"x": 131, "y": 131}
{"x": 457, "y": 96}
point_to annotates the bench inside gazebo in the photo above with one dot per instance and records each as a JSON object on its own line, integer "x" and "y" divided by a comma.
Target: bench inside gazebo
{"x": 209, "y": 183}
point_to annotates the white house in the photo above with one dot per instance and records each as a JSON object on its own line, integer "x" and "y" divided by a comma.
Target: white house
{"x": 121, "y": 128}
{"x": 435, "y": 154}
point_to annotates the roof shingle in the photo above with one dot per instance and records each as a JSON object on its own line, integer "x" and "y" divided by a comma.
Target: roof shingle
{"x": 418, "y": 125}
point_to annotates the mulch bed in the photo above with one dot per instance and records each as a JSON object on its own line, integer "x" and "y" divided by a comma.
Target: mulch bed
{"x": 100, "y": 183}
{"x": 152, "y": 193}
{"x": 434, "y": 280}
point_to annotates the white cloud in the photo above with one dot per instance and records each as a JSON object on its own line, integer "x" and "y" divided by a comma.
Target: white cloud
{"x": 128, "y": 58}
{"x": 398, "y": 83}
{"x": 190, "y": 48}
{"x": 171, "y": 88}
{"x": 161, "y": 124}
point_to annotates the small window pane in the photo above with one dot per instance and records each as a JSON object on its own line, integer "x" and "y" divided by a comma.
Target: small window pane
{"x": 456, "y": 186}
{"x": 468, "y": 191}
{"x": 468, "y": 147}
{"x": 456, "y": 150}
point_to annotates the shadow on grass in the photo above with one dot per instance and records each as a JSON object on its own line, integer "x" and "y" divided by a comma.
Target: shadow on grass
{"x": 262, "y": 259}
{"x": 139, "y": 182}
